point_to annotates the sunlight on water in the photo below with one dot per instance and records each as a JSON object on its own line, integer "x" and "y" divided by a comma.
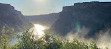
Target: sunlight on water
{"x": 38, "y": 33}
{"x": 39, "y": 30}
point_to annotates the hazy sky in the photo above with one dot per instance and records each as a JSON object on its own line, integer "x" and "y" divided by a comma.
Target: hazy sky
{"x": 36, "y": 7}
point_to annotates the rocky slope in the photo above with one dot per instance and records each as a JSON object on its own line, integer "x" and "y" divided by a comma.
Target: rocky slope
{"x": 12, "y": 18}
{"x": 95, "y": 16}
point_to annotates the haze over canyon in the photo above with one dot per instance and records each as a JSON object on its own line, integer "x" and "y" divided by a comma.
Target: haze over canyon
{"x": 86, "y": 20}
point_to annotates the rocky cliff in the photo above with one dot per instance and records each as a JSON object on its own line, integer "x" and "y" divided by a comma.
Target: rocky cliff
{"x": 95, "y": 16}
{"x": 11, "y": 18}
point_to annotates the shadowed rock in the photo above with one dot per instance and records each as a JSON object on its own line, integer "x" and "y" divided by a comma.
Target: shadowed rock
{"x": 12, "y": 18}
{"x": 95, "y": 16}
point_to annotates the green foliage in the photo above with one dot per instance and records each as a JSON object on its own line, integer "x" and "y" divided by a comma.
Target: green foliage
{"x": 48, "y": 41}
{"x": 26, "y": 41}
{"x": 5, "y": 38}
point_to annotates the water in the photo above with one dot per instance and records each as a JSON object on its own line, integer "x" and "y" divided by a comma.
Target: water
{"x": 15, "y": 40}
{"x": 37, "y": 31}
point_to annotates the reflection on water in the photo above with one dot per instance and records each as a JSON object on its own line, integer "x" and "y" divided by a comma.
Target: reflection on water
{"x": 38, "y": 32}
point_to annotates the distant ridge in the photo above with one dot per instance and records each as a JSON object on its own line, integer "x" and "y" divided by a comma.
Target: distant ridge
{"x": 46, "y": 19}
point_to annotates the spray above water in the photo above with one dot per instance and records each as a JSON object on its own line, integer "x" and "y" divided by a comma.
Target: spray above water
{"x": 39, "y": 31}
{"x": 103, "y": 41}
{"x": 103, "y": 38}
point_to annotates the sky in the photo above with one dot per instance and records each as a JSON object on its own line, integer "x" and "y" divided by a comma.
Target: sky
{"x": 38, "y": 7}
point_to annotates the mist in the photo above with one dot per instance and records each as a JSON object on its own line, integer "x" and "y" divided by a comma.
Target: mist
{"x": 102, "y": 39}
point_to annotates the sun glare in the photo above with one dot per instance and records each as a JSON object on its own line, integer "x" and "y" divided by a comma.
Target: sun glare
{"x": 39, "y": 30}
{"x": 40, "y": 0}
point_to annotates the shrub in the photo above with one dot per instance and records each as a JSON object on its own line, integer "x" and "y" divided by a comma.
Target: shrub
{"x": 48, "y": 41}
{"x": 5, "y": 38}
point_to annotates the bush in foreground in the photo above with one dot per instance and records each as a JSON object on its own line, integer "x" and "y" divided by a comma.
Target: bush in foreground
{"x": 48, "y": 41}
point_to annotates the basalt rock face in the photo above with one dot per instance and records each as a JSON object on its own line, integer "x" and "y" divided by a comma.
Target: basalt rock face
{"x": 11, "y": 18}
{"x": 93, "y": 15}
